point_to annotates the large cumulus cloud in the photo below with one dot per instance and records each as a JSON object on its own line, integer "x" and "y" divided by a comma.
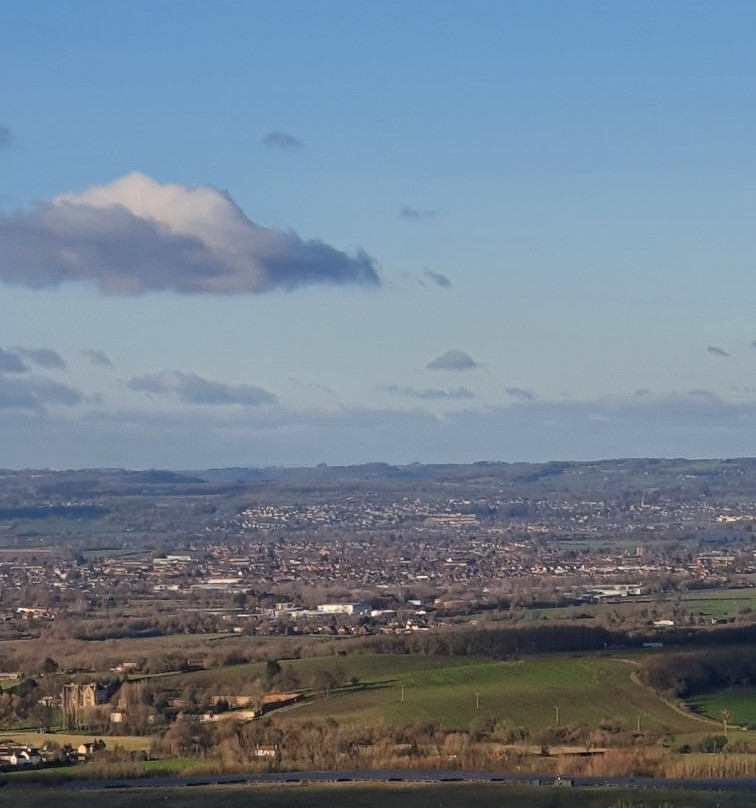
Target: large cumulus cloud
{"x": 137, "y": 235}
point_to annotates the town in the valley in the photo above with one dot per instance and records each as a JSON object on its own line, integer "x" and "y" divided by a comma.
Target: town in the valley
{"x": 120, "y": 590}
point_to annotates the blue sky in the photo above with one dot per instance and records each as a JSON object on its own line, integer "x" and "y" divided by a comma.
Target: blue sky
{"x": 261, "y": 233}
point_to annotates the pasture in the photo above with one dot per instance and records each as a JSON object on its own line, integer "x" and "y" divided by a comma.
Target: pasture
{"x": 535, "y": 692}
{"x": 740, "y": 702}
{"x": 720, "y": 603}
{"x": 367, "y": 667}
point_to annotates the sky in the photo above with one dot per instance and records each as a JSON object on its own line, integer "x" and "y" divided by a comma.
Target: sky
{"x": 324, "y": 231}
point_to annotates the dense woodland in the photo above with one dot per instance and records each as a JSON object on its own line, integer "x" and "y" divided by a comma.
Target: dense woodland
{"x": 695, "y": 672}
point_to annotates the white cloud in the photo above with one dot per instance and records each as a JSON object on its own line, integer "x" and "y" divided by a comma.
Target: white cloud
{"x": 137, "y": 235}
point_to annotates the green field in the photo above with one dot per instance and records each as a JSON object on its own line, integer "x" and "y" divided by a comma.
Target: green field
{"x": 453, "y": 691}
{"x": 739, "y": 701}
{"x": 397, "y": 795}
{"x": 708, "y": 603}
{"x": 582, "y": 689}
{"x": 366, "y": 667}
{"x": 720, "y": 603}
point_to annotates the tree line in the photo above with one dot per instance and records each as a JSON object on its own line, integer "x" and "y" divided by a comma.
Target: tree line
{"x": 688, "y": 674}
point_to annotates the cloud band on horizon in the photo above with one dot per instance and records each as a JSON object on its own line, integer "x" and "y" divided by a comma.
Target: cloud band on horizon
{"x": 193, "y": 389}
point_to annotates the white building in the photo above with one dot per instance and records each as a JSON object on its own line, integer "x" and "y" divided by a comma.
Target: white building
{"x": 344, "y": 608}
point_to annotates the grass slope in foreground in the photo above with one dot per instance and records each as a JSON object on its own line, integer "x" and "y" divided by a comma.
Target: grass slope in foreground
{"x": 584, "y": 689}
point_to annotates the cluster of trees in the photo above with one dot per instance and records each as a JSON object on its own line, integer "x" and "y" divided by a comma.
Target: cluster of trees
{"x": 486, "y": 744}
{"x": 688, "y": 674}
{"x": 152, "y": 625}
{"x": 24, "y": 704}
{"x": 148, "y": 706}
{"x": 499, "y": 643}
{"x": 97, "y": 659}
{"x": 543, "y": 638}
{"x": 715, "y": 636}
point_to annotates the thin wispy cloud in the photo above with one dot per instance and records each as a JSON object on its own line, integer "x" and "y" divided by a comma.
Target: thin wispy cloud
{"x": 322, "y": 387}
{"x": 437, "y": 278}
{"x": 453, "y": 360}
{"x": 137, "y": 235}
{"x": 715, "y": 350}
{"x": 520, "y": 393}
{"x": 10, "y": 362}
{"x": 99, "y": 358}
{"x": 35, "y": 393}
{"x": 429, "y": 393}
{"x": 414, "y": 214}
{"x": 44, "y": 357}
{"x": 193, "y": 389}
{"x": 282, "y": 140}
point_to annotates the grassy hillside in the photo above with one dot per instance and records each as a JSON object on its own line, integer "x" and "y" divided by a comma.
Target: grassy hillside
{"x": 739, "y": 701}
{"x": 363, "y": 666}
{"x": 583, "y": 689}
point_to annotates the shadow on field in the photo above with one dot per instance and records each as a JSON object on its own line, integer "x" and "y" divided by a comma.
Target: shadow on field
{"x": 382, "y": 684}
